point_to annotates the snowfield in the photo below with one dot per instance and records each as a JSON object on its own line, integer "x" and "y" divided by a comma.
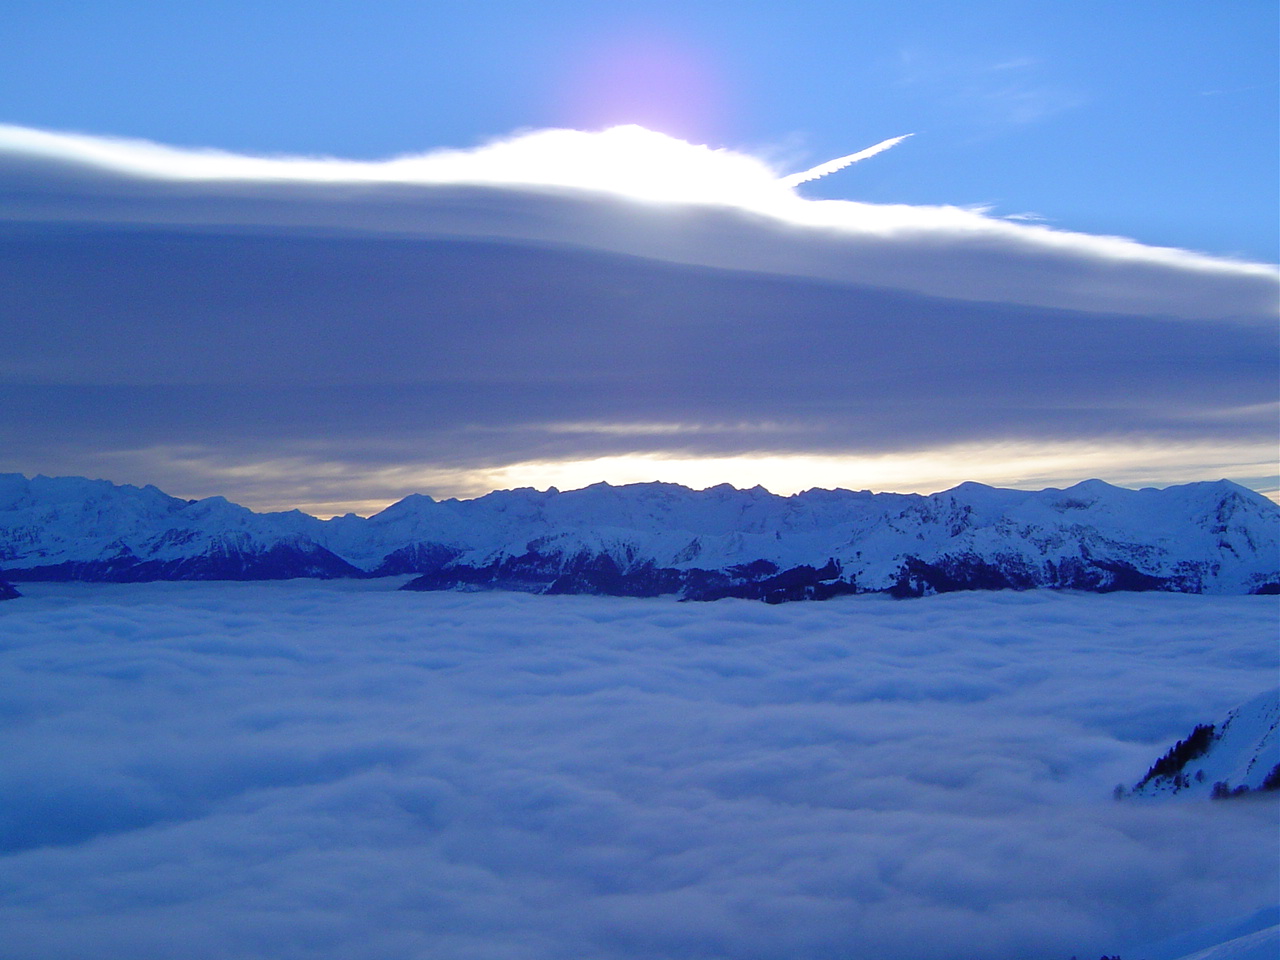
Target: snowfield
{"x": 339, "y": 769}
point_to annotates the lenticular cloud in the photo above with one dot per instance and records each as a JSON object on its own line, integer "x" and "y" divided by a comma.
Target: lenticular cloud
{"x": 627, "y": 160}
{"x": 626, "y": 190}
{"x": 315, "y": 770}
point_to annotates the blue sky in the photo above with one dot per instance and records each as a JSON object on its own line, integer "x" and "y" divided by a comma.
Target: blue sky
{"x": 325, "y": 255}
{"x": 1153, "y": 120}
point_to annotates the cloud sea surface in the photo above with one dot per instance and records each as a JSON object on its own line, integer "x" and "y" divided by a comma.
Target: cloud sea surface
{"x": 307, "y": 770}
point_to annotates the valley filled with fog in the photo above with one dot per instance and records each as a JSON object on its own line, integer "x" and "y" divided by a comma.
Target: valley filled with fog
{"x": 340, "y": 769}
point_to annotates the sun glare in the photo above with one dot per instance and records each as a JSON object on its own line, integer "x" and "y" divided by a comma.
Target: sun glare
{"x": 627, "y": 160}
{"x": 1013, "y": 464}
{"x": 1016, "y": 464}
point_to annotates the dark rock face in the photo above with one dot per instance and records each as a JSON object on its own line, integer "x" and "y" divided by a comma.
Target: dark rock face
{"x": 7, "y": 591}
{"x": 279, "y": 561}
{"x": 964, "y": 572}
{"x": 918, "y": 578}
{"x": 605, "y": 575}
{"x": 602, "y": 574}
{"x": 762, "y": 580}
{"x": 421, "y": 558}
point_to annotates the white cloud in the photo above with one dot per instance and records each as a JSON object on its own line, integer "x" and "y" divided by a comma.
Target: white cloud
{"x": 831, "y": 166}
{"x": 761, "y": 224}
{"x": 337, "y": 770}
{"x": 626, "y": 160}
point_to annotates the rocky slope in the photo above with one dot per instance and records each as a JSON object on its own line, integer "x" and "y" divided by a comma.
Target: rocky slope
{"x": 1238, "y": 756}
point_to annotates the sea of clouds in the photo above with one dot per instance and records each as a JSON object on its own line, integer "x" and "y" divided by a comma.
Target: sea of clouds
{"x": 309, "y": 769}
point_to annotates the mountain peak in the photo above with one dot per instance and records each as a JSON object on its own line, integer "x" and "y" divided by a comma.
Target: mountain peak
{"x": 654, "y": 538}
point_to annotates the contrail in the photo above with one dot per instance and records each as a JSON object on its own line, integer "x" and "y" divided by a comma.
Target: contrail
{"x": 831, "y": 166}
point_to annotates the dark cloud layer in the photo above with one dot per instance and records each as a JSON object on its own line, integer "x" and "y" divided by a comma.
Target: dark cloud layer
{"x": 308, "y": 770}
{"x": 474, "y": 353}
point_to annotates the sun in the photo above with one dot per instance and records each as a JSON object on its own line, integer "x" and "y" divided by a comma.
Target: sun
{"x": 632, "y": 161}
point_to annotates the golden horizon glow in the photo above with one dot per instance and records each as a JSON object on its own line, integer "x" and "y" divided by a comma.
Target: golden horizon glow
{"x": 335, "y": 487}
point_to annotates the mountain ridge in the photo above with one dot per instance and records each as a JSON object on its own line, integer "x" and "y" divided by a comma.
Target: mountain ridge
{"x": 661, "y": 538}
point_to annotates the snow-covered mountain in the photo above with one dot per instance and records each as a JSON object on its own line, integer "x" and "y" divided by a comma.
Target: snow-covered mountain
{"x": 657, "y": 538}
{"x": 70, "y": 528}
{"x": 1240, "y": 755}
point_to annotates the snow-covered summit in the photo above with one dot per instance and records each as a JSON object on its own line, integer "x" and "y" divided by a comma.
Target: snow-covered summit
{"x": 70, "y": 528}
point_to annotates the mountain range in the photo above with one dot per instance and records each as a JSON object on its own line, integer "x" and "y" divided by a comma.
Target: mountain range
{"x": 658, "y": 539}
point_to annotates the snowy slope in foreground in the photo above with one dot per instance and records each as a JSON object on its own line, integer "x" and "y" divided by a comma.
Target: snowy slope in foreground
{"x": 653, "y": 539}
{"x": 1254, "y": 936}
{"x": 1263, "y": 945}
{"x": 1239, "y": 756}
